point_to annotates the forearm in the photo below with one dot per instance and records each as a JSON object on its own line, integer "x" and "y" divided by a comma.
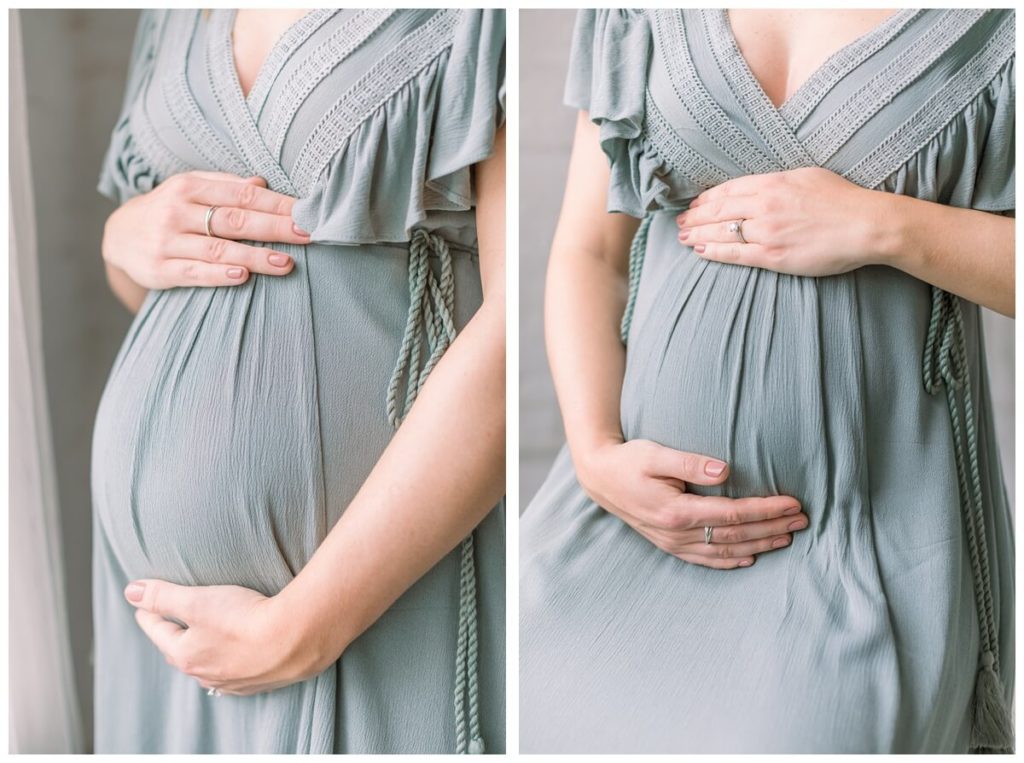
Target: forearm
{"x": 584, "y": 301}
{"x": 964, "y": 251}
{"x": 437, "y": 479}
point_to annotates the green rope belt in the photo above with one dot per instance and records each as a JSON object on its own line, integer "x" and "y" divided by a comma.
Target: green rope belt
{"x": 432, "y": 313}
{"x": 945, "y": 364}
{"x": 637, "y": 250}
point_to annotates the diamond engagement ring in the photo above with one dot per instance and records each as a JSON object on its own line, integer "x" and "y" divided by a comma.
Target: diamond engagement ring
{"x": 707, "y": 533}
{"x": 736, "y": 226}
{"x": 213, "y": 692}
{"x": 209, "y": 217}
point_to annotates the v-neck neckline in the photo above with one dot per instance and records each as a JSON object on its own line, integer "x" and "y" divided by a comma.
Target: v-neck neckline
{"x": 278, "y": 48}
{"x": 837, "y": 61}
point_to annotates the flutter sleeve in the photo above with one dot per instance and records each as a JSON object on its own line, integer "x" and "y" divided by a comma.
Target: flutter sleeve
{"x": 124, "y": 172}
{"x": 415, "y": 154}
{"x": 607, "y": 77}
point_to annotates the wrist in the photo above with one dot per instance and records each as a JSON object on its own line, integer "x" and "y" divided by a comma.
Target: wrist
{"x": 587, "y": 456}
{"x": 887, "y": 232}
{"x": 309, "y": 644}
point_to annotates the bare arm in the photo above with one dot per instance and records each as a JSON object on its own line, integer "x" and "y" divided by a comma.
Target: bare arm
{"x": 967, "y": 252}
{"x": 585, "y": 295}
{"x": 437, "y": 479}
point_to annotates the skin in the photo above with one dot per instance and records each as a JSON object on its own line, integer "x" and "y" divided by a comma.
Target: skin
{"x": 809, "y": 222}
{"x": 424, "y": 495}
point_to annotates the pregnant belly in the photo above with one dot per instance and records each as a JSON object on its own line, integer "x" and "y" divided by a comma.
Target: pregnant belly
{"x": 785, "y": 378}
{"x": 210, "y": 439}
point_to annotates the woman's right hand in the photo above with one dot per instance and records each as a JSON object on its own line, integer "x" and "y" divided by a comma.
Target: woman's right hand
{"x": 644, "y": 484}
{"x": 159, "y": 238}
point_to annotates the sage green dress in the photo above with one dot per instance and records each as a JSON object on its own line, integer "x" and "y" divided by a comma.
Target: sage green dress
{"x": 888, "y": 625}
{"x": 239, "y": 422}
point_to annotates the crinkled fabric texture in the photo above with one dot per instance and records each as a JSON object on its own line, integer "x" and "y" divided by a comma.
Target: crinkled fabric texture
{"x": 238, "y": 422}
{"x": 863, "y": 635}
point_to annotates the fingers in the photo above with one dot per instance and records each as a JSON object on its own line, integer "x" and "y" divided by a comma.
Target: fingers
{"x": 700, "y": 510}
{"x": 245, "y": 195}
{"x": 183, "y": 272}
{"x": 688, "y": 467}
{"x": 162, "y": 598}
{"x": 729, "y": 555}
{"x": 235, "y": 222}
{"x": 757, "y": 530}
{"x": 716, "y": 563}
{"x": 161, "y": 632}
{"x": 226, "y": 253}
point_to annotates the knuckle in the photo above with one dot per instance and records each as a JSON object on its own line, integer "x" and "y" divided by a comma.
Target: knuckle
{"x": 190, "y": 271}
{"x": 246, "y": 195}
{"x": 236, "y": 218}
{"x": 729, "y": 534}
{"x": 216, "y": 249}
{"x": 723, "y": 551}
{"x": 732, "y": 516}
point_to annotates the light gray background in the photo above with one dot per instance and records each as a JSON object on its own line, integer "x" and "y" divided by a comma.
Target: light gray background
{"x": 546, "y": 127}
{"x": 76, "y": 65}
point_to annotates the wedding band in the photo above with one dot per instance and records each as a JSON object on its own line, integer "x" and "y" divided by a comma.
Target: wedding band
{"x": 736, "y": 226}
{"x": 213, "y": 692}
{"x": 209, "y": 216}
{"x": 707, "y": 533}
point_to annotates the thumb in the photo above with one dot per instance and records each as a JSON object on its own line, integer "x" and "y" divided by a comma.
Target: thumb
{"x": 689, "y": 467}
{"x": 162, "y": 598}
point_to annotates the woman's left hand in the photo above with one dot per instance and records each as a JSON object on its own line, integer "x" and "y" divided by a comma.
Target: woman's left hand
{"x": 808, "y": 222}
{"x": 237, "y": 640}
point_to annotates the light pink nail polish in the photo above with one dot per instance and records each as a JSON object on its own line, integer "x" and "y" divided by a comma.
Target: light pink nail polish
{"x": 799, "y": 524}
{"x": 235, "y": 272}
{"x": 714, "y": 468}
{"x": 780, "y": 542}
{"x": 298, "y": 230}
{"x": 745, "y": 563}
{"x": 792, "y": 510}
{"x": 134, "y": 591}
{"x": 683, "y": 234}
{"x": 278, "y": 259}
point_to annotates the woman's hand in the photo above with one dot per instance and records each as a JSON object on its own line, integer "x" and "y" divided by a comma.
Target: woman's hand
{"x": 807, "y": 222}
{"x": 159, "y": 238}
{"x": 643, "y": 484}
{"x": 237, "y": 640}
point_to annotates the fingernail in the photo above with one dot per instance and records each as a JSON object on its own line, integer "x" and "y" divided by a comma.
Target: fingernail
{"x": 780, "y": 542}
{"x": 235, "y": 272}
{"x": 684, "y": 233}
{"x": 745, "y": 563}
{"x": 714, "y": 468}
{"x": 799, "y": 524}
{"x": 792, "y": 510}
{"x": 699, "y": 249}
{"x": 681, "y": 218}
{"x": 298, "y": 230}
{"x": 134, "y": 591}
{"x": 278, "y": 259}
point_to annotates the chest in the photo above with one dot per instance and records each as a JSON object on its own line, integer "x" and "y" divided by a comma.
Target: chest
{"x": 783, "y": 48}
{"x": 254, "y": 34}
{"x": 862, "y": 111}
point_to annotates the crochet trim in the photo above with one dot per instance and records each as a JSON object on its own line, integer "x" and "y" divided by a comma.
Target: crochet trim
{"x": 314, "y": 67}
{"x": 939, "y": 110}
{"x": 675, "y": 152}
{"x": 385, "y": 78}
{"x": 864, "y": 104}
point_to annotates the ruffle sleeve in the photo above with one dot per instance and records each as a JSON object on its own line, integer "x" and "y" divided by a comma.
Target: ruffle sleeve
{"x": 124, "y": 172}
{"x": 970, "y": 161}
{"x": 607, "y": 77}
{"x": 414, "y": 155}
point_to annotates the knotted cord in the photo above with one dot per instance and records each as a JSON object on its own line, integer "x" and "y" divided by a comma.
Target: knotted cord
{"x": 637, "y": 250}
{"x": 432, "y": 314}
{"x": 945, "y": 364}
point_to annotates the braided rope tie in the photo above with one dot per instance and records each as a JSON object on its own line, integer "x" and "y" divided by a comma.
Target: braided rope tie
{"x": 431, "y": 313}
{"x": 637, "y": 250}
{"x": 945, "y": 364}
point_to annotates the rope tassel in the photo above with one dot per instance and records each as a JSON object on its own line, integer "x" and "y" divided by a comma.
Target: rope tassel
{"x": 432, "y": 315}
{"x": 945, "y": 364}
